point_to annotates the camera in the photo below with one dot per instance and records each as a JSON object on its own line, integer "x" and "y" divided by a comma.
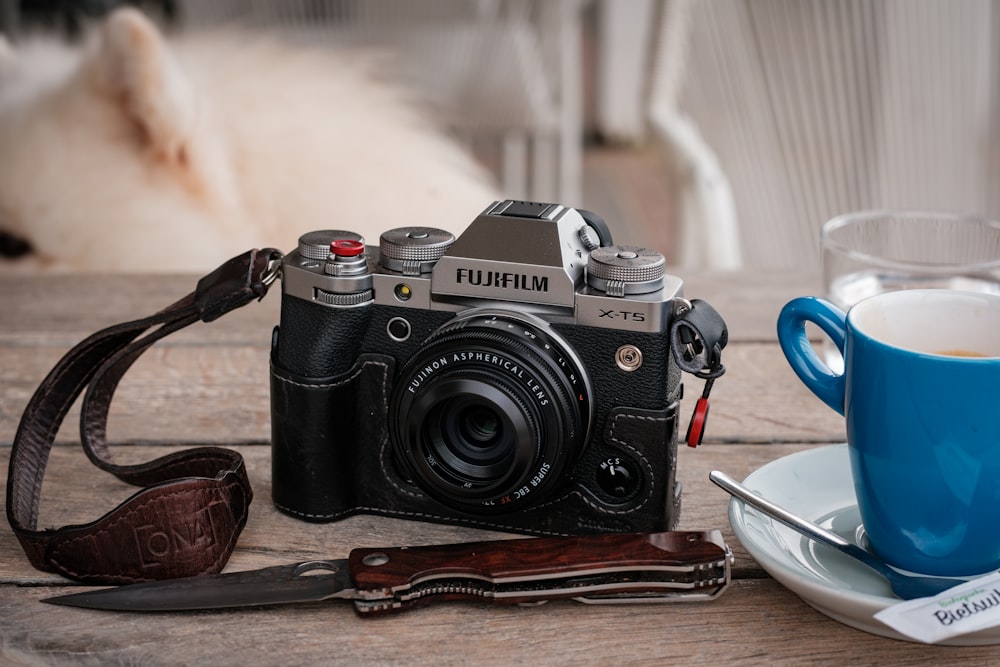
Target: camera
{"x": 517, "y": 377}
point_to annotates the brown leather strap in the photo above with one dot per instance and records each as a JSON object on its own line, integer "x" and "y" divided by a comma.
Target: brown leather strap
{"x": 187, "y": 520}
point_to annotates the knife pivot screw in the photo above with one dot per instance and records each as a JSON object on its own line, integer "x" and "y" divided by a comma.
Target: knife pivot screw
{"x": 375, "y": 559}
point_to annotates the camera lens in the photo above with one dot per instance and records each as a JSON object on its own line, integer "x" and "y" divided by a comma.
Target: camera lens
{"x": 472, "y": 436}
{"x": 490, "y": 412}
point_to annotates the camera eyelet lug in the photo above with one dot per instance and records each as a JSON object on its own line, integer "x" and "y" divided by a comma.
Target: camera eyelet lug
{"x": 681, "y": 306}
{"x": 272, "y": 271}
{"x": 628, "y": 358}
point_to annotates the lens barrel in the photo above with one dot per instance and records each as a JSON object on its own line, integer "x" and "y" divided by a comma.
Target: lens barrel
{"x": 490, "y": 412}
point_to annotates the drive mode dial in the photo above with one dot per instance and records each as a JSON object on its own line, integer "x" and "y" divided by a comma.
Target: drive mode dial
{"x": 413, "y": 250}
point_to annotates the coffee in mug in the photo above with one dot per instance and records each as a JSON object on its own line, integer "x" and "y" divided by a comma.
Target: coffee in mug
{"x": 961, "y": 353}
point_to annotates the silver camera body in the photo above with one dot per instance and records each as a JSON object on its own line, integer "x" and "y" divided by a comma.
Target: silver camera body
{"x": 518, "y": 377}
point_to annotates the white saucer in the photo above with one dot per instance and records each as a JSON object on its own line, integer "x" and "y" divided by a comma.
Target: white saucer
{"x": 816, "y": 484}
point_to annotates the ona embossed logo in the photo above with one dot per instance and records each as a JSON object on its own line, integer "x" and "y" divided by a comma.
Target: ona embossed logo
{"x": 174, "y": 542}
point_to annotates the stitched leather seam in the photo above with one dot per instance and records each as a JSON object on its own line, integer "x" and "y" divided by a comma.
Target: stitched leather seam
{"x": 605, "y": 510}
{"x": 339, "y": 383}
{"x": 384, "y": 441}
{"x": 384, "y": 447}
{"x": 643, "y": 459}
{"x": 23, "y": 459}
{"x": 422, "y": 516}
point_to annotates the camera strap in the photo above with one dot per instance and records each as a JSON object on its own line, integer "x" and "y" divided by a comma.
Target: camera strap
{"x": 188, "y": 518}
{"x": 697, "y": 338}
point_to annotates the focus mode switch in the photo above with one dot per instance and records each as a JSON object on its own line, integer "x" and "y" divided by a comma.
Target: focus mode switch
{"x": 617, "y": 478}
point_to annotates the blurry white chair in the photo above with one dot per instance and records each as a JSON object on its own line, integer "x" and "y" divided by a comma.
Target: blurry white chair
{"x": 709, "y": 233}
{"x": 784, "y": 113}
{"x": 506, "y": 74}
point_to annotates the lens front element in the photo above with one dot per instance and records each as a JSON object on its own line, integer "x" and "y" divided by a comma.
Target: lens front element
{"x": 472, "y": 432}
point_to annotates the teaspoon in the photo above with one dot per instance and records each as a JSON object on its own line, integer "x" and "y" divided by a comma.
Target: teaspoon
{"x": 905, "y": 586}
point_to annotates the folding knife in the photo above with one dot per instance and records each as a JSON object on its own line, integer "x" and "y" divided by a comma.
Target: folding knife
{"x": 615, "y": 568}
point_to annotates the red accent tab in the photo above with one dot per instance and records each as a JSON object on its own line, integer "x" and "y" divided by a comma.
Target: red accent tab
{"x": 696, "y": 429}
{"x": 347, "y": 248}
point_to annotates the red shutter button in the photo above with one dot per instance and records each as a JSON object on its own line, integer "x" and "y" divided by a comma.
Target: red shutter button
{"x": 347, "y": 248}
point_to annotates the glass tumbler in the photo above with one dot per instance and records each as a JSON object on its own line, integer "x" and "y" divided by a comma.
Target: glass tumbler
{"x": 871, "y": 252}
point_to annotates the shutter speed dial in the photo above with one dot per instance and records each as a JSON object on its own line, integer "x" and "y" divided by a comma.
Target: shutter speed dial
{"x": 625, "y": 270}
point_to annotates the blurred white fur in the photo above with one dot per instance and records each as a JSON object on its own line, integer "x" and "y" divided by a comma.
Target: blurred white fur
{"x": 138, "y": 154}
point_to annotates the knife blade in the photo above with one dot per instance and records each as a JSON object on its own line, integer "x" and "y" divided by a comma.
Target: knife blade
{"x": 614, "y": 568}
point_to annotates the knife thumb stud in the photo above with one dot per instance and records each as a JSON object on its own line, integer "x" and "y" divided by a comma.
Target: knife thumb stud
{"x": 375, "y": 559}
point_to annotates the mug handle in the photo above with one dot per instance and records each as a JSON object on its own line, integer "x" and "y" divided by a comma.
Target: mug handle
{"x": 799, "y": 352}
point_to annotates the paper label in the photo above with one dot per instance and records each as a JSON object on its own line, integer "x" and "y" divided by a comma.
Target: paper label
{"x": 966, "y": 608}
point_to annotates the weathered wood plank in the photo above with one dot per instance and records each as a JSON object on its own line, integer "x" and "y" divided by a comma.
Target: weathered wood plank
{"x": 61, "y": 310}
{"x": 220, "y": 393}
{"x": 755, "y": 622}
{"x": 750, "y": 302}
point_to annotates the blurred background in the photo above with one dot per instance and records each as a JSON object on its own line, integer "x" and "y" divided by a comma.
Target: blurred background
{"x": 722, "y": 133}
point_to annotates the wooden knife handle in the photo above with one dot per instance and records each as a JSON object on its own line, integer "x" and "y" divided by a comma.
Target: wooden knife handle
{"x": 538, "y": 569}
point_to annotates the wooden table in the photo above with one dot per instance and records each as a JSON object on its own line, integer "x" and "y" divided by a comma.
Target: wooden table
{"x": 209, "y": 384}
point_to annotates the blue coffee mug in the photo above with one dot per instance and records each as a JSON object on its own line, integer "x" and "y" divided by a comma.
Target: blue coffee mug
{"x": 920, "y": 392}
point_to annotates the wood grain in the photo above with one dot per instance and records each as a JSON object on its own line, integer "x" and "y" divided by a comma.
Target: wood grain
{"x": 209, "y": 385}
{"x": 74, "y": 492}
{"x": 755, "y": 622}
{"x": 220, "y": 393}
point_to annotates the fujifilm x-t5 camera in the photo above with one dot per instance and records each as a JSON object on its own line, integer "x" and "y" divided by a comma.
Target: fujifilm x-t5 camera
{"x": 518, "y": 377}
